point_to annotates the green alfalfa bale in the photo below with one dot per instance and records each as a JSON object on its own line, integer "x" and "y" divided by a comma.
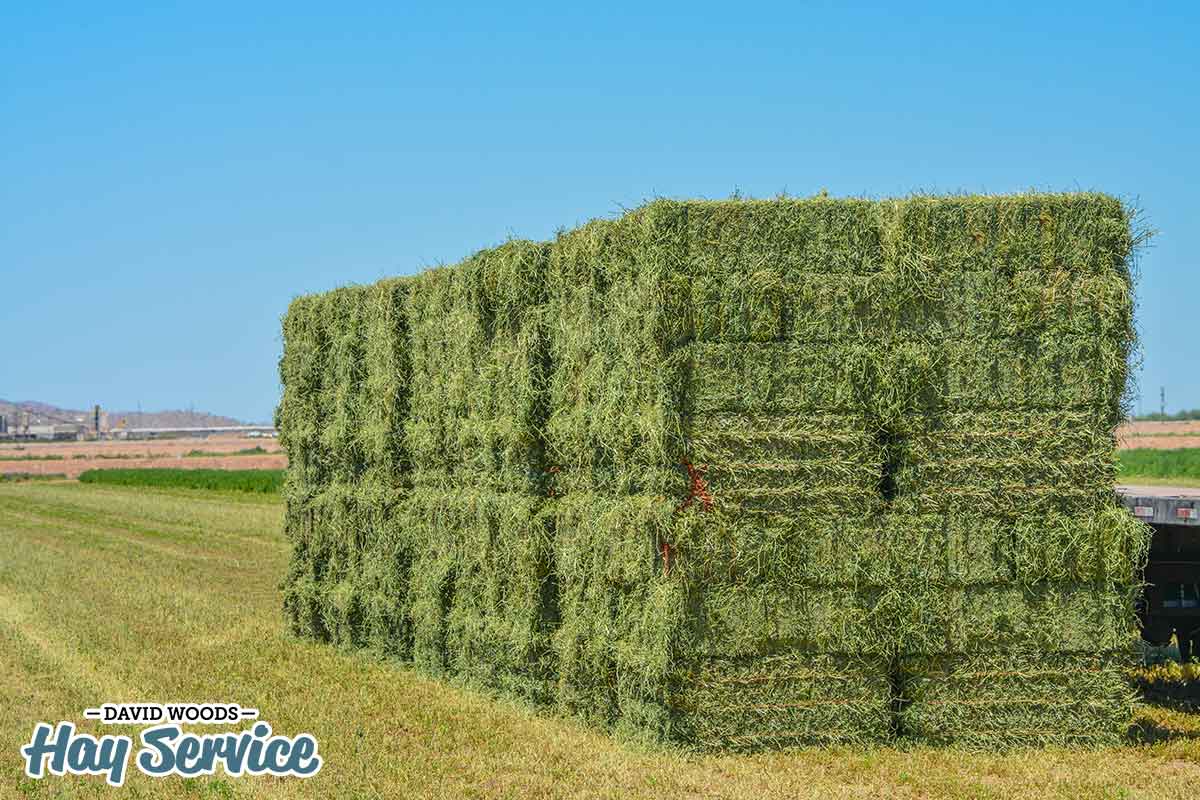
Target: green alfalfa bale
{"x": 842, "y": 447}
{"x": 341, "y": 398}
{"x": 1002, "y": 700}
{"x": 432, "y": 581}
{"x": 316, "y": 563}
{"x": 1085, "y": 233}
{"x": 1108, "y": 547}
{"x": 478, "y": 356}
{"x": 748, "y": 620}
{"x": 386, "y": 385}
{"x": 890, "y": 379}
{"x": 624, "y": 617}
{"x": 383, "y": 571}
{"x": 990, "y": 304}
{"x": 1074, "y": 617}
{"x": 1047, "y": 370}
{"x": 335, "y": 547}
{"x": 302, "y": 603}
{"x": 302, "y": 373}
{"x": 1003, "y": 463}
{"x": 928, "y": 471}
{"x": 350, "y": 568}
{"x": 769, "y": 378}
{"x": 769, "y": 304}
{"x": 785, "y": 699}
{"x": 1003, "y": 435}
{"x": 816, "y": 270}
{"x": 499, "y": 434}
{"x": 777, "y": 548}
{"x": 911, "y": 616}
{"x": 615, "y": 293}
{"x": 734, "y": 239}
{"x": 500, "y": 616}
{"x": 503, "y": 288}
{"x": 432, "y": 329}
{"x": 789, "y": 548}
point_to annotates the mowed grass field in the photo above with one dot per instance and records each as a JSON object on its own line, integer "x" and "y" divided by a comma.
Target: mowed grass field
{"x": 129, "y": 594}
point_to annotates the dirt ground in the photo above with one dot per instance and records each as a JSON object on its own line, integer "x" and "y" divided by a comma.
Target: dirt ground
{"x": 72, "y": 458}
{"x": 1159, "y": 435}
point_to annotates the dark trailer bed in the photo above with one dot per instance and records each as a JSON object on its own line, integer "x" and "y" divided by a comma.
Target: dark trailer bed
{"x": 1172, "y": 600}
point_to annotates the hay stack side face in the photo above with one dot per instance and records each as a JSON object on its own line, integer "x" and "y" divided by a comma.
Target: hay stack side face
{"x": 741, "y": 474}
{"x": 918, "y": 485}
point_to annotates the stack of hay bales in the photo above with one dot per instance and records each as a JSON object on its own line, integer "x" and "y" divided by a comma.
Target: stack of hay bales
{"x": 740, "y": 474}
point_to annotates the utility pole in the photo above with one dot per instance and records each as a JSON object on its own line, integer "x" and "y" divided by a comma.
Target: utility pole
{"x": 1162, "y": 401}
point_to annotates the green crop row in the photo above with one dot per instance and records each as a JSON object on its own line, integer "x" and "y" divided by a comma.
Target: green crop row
{"x": 236, "y": 480}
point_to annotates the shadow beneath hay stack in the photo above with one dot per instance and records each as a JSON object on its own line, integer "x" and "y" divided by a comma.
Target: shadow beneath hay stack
{"x": 1147, "y": 731}
{"x": 1175, "y": 695}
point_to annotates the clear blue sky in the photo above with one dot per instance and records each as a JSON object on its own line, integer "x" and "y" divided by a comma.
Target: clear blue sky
{"x": 170, "y": 178}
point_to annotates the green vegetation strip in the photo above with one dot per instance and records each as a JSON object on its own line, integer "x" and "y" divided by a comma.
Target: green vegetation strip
{"x": 1182, "y": 464}
{"x": 16, "y": 477}
{"x": 239, "y": 480}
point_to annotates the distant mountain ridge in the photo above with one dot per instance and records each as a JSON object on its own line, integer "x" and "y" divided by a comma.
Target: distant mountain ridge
{"x": 46, "y": 414}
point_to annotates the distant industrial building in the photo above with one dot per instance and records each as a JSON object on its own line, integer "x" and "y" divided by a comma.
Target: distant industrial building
{"x": 71, "y": 431}
{"x": 252, "y": 431}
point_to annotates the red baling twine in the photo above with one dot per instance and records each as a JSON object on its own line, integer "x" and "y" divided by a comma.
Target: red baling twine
{"x": 697, "y": 490}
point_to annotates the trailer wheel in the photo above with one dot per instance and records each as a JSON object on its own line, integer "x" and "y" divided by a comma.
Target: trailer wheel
{"x": 1187, "y": 644}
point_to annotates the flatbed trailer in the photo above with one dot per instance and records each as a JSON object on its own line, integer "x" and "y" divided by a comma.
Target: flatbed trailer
{"x": 1172, "y": 599}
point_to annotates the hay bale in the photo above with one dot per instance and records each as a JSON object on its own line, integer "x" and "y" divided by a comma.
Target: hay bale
{"x": 738, "y": 474}
{"x": 481, "y": 579}
{"x": 1018, "y": 699}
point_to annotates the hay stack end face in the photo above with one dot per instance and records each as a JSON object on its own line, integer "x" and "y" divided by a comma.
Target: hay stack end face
{"x": 739, "y": 475}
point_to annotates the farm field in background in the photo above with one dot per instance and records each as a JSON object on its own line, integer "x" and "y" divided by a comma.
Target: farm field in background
{"x": 1159, "y": 435}
{"x": 263, "y": 481}
{"x": 142, "y": 594}
{"x": 73, "y": 458}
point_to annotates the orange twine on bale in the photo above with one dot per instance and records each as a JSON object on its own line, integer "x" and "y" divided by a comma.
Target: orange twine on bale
{"x": 697, "y": 490}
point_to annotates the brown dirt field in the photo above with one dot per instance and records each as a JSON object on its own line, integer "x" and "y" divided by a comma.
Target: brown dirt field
{"x": 72, "y": 467}
{"x": 77, "y": 457}
{"x": 145, "y": 448}
{"x": 1159, "y": 435}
